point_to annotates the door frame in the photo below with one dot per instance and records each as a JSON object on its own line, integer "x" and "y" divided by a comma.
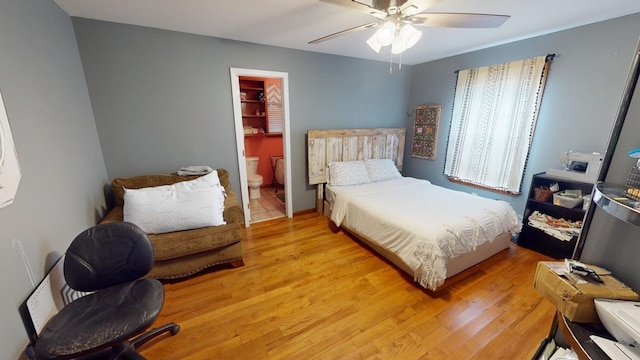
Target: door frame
{"x": 237, "y": 115}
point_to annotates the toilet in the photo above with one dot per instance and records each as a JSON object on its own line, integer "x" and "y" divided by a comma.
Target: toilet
{"x": 253, "y": 178}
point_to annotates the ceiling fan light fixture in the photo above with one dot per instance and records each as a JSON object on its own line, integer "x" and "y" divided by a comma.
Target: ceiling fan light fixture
{"x": 409, "y": 36}
{"x": 395, "y": 21}
{"x": 398, "y": 45}
{"x": 373, "y": 43}
{"x": 386, "y": 34}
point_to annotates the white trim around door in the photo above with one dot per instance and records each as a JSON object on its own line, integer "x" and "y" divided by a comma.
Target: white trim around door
{"x": 237, "y": 114}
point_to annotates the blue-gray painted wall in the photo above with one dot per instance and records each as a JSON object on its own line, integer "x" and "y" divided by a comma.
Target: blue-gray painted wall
{"x": 580, "y": 102}
{"x": 162, "y": 99}
{"x": 63, "y": 172}
{"x": 90, "y": 100}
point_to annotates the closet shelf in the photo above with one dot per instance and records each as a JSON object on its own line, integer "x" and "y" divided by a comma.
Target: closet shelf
{"x": 612, "y": 199}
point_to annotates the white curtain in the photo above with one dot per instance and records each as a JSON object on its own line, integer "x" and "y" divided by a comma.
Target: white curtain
{"x": 494, "y": 115}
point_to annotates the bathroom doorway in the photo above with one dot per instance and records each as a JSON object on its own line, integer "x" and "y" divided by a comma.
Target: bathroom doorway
{"x": 254, "y": 94}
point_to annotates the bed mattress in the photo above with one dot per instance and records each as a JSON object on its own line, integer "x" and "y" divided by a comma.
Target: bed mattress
{"x": 423, "y": 224}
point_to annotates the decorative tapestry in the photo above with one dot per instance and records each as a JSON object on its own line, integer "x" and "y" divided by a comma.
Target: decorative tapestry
{"x": 425, "y": 132}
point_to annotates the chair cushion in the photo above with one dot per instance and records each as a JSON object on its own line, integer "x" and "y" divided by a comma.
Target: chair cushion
{"x": 101, "y": 319}
{"x": 107, "y": 254}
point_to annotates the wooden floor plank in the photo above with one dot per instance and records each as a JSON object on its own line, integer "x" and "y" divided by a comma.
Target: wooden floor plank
{"x": 310, "y": 291}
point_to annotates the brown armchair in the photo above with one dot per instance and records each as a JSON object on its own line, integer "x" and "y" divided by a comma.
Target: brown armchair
{"x": 183, "y": 253}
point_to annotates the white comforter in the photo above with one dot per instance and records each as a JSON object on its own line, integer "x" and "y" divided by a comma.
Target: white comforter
{"x": 424, "y": 224}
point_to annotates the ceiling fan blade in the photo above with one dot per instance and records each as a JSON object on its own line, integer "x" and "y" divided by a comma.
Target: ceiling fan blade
{"x": 460, "y": 20}
{"x": 358, "y": 6}
{"x": 411, "y": 7}
{"x": 344, "y": 32}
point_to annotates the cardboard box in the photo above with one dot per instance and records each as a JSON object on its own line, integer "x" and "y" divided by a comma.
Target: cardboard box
{"x": 573, "y": 295}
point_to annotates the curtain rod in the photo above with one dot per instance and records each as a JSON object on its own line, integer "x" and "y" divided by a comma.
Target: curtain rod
{"x": 549, "y": 57}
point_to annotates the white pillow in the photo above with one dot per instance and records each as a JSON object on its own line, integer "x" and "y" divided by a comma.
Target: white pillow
{"x": 381, "y": 169}
{"x": 184, "y": 205}
{"x": 348, "y": 173}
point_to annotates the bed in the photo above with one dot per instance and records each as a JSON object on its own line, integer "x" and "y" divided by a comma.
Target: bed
{"x": 428, "y": 231}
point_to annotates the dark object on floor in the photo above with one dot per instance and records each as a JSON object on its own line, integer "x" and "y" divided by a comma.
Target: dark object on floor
{"x": 108, "y": 259}
{"x": 280, "y": 196}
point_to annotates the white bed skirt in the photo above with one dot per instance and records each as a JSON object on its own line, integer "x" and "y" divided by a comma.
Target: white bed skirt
{"x": 456, "y": 264}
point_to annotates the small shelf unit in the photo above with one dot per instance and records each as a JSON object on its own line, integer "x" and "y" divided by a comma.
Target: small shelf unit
{"x": 539, "y": 240}
{"x": 254, "y": 109}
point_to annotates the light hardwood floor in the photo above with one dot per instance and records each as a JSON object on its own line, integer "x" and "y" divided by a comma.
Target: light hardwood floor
{"x": 309, "y": 292}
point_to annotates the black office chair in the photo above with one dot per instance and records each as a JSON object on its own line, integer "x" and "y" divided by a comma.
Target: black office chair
{"x": 109, "y": 260}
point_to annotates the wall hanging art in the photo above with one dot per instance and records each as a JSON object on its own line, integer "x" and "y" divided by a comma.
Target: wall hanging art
{"x": 425, "y": 132}
{"x": 9, "y": 166}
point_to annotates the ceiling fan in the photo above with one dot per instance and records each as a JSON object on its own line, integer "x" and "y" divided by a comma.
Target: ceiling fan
{"x": 396, "y": 18}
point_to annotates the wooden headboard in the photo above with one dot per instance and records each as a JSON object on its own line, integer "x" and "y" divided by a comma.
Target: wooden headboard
{"x": 325, "y": 146}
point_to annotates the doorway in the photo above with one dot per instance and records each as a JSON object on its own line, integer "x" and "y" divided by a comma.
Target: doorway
{"x": 248, "y": 100}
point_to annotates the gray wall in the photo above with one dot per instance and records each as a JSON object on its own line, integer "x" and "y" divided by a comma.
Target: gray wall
{"x": 162, "y": 99}
{"x": 580, "y": 102}
{"x": 63, "y": 172}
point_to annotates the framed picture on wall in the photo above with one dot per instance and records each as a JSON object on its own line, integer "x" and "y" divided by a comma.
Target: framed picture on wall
{"x": 9, "y": 167}
{"x": 425, "y": 132}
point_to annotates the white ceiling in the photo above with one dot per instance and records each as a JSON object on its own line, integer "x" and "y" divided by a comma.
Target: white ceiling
{"x": 293, "y": 23}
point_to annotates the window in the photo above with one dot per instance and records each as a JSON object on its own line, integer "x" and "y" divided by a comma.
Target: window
{"x": 494, "y": 114}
